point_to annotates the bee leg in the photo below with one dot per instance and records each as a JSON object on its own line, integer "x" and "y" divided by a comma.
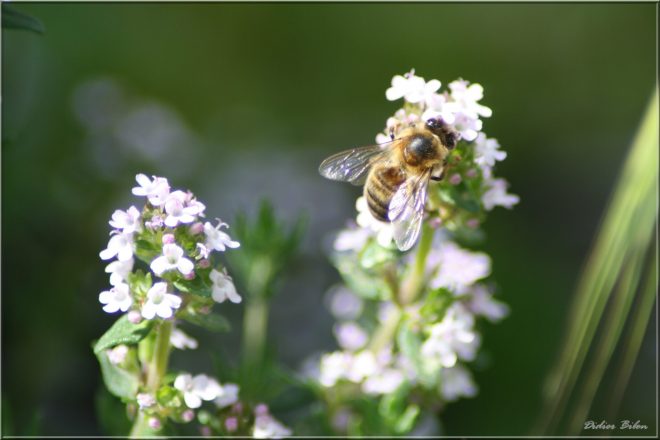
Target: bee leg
{"x": 439, "y": 177}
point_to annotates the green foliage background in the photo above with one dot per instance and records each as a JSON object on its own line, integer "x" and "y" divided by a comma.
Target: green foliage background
{"x": 269, "y": 90}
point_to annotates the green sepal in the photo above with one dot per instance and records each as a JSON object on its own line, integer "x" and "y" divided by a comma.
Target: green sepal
{"x": 123, "y": 332}
{"x": 169, "y": 397}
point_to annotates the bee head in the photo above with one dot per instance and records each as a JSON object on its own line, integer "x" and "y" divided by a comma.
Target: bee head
{"x": 444, "y": 131}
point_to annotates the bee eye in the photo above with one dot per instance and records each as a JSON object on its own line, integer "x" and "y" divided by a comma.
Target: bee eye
{"x": 433, "y": 123}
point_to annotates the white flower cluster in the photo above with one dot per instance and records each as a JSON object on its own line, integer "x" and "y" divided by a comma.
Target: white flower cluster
{"x": 204, "y": 388}
{"x": 435, "y": 336}
{"x": 377, "y": 374}
{"x": 459, "y": 107}
{"x": 166, "y": 212}
{"x": 266, "y": 426}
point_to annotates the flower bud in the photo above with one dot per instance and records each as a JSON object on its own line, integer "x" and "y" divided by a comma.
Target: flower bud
{"x": 154, "y": 423}
{"x": 188, "y": 415}
{"x": 261, "y": 409}
{"x": 231, "y": 424}
{"x": 197, "y": 228}
{"x": 455, "y": 179}
{"x": 134, "y": 317}
{"x": 471, "y": 173}
{"x": 145, "y": 400}
{"x": 473, "y": 223}
{"x": 190, "y": 276}
{"x": 204, "y": 263}
{"x": 168, "y": 239}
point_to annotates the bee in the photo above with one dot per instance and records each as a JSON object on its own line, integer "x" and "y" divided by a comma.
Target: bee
{"x": 396, "y": 174}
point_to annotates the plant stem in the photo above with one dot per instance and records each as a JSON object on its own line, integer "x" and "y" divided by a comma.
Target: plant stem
{"x": 161, "y": 356}
{"x": 386, "y": 331}
{"x": 255, "y": 324}
{"x": 412, "y": 287}
{"x": 155, "y": 371}
{"x": 408, "y": 292}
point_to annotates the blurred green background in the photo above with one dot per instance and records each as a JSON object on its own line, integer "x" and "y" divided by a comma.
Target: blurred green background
{"x": 240, "y": 102}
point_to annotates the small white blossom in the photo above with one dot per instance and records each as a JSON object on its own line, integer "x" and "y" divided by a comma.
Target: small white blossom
{"x": 266, "y": 426}
{"x": 412, "y": 88}
{"x": 117, "y": 298}
{"x": 363, "y": 365}
{"x": 384, "y": 231}
{"x": 171, "y": 259}
{"x": 458, "y": 268}
{"x": 482, "y": 303}
{"x": 496, "y": 195}
{"x": 467, "y": 95}
{"x": 456, "y": 382}
{"x": 352, "y": 239}
{"x": 486, "y": 151}
{"x": 344, "y": 304}
{"x": 216, "y": 239}
{"x": 223, "y": 287}
{"x": 202, "y": 250}
{"x": 228, "y": 395}
{"x": 156, "y": 191}
{"x": 180, "y": 340}
{"x": 180, "y": 209}
{"x": 127, "y": 221}
{"x": 160, "y": 303}
{"x": 119, "y": 271}
{"x": 350, "y": 336}
{"x": 198, "y": 388}
{"x": 468, "y": 127}
{"x": 117, "y": 354}
{"x": 452, "y": 338}
{"x": 383, "y": 382}
{"x": 334, "y": 367}
{"x": 121, "y": 246}
{"x": 145, "y": 400}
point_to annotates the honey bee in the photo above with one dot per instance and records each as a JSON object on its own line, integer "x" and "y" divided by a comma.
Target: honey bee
{"x": 396, "y": 174}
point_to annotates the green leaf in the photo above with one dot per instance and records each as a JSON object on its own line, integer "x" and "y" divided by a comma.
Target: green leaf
{"x": 13, "y": 19}
{"x": 196, "y": 286}
{"x": 436, "y": 304}
{"x": 406, "y": 422}
{"x": 374, "y": 255}
{"x": 212, "y": 322}
{"x": 119, "y": 382}
{"x": 410, "y": 345}
{"x": 359, "y": 281}
{"x": 123, "y": 332}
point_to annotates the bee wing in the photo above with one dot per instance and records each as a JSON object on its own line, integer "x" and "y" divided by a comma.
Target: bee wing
{"x": 351, "y": 165}
{"x": 406, "y": 210}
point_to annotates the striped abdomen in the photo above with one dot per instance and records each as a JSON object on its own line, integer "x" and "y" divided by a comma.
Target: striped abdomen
{"x": 382, "y": 183}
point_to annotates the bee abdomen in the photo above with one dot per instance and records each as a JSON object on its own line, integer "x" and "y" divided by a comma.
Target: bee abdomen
{"x": 378, "y": 204}
{"x": 380, "y": 189}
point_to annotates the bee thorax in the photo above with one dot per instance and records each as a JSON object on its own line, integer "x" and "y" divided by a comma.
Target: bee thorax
{"x": 420, "y": 149}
